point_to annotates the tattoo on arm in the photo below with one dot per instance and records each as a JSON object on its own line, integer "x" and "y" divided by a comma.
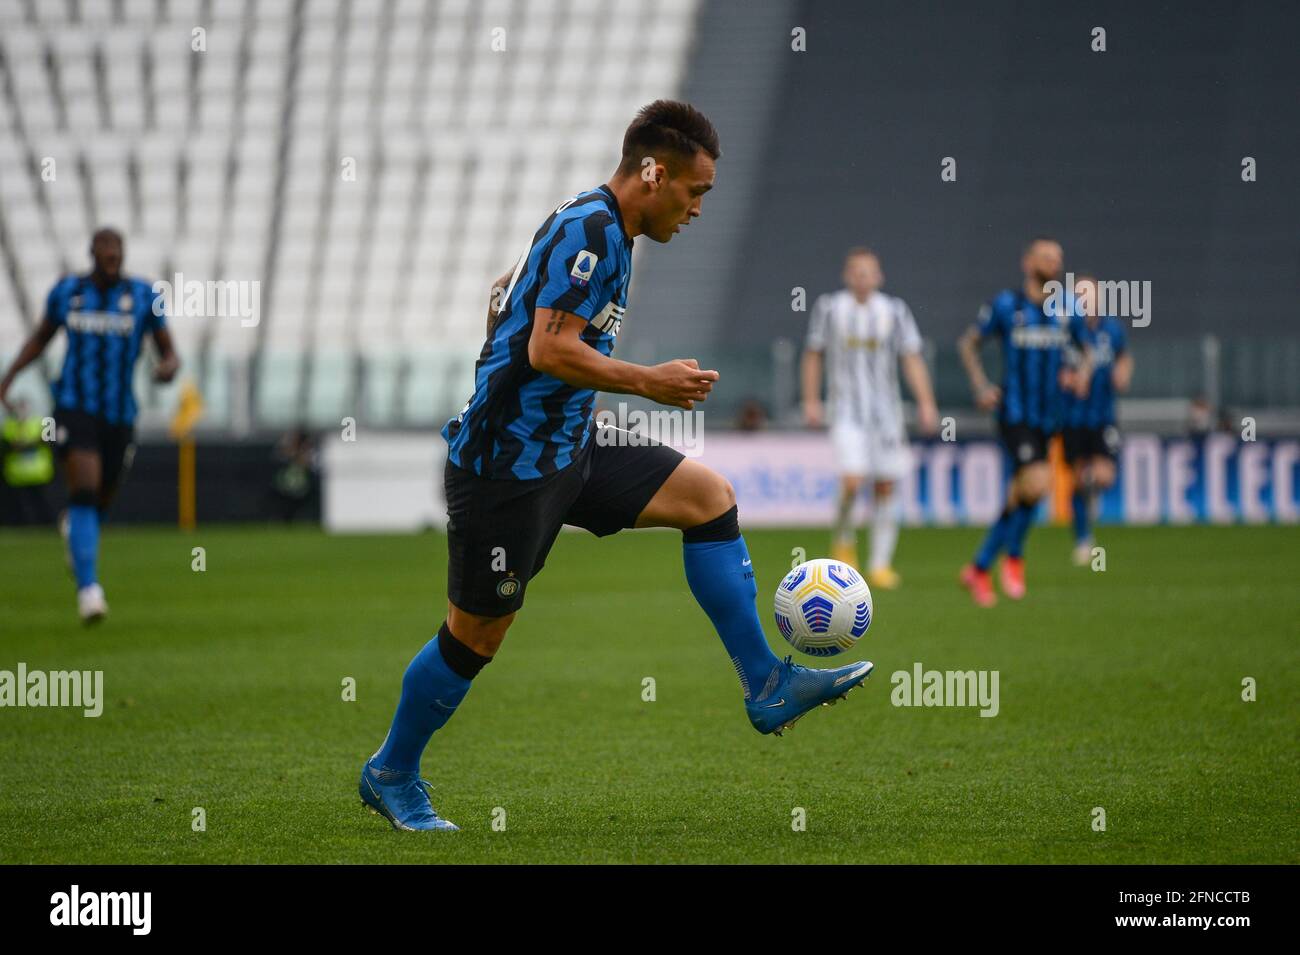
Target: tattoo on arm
{"x": 554, "y": 324}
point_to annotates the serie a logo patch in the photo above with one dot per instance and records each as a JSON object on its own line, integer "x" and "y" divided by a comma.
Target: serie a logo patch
{"x": 584, "y": 264}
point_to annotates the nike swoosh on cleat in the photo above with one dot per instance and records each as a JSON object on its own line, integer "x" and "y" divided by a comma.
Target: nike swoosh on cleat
{"x": 745, "y": 563}
{"x": 780, "y": 702}
{"x": 849, "y": 676}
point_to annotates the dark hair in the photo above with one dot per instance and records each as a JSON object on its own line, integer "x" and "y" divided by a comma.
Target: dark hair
{"x": 669, "y": 129}
{"x": 1037, "y": 239}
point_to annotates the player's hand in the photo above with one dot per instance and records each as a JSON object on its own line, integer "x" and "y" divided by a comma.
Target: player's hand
{"x": 680, "y": 383}
{"x": 166, "y": 370}
{"x": 988, "y": 398}
{"x": 814, "y": 414}
{"x": 927, "y": 418}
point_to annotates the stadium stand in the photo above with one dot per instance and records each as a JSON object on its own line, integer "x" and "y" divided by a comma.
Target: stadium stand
{"x": 372, "y": 165}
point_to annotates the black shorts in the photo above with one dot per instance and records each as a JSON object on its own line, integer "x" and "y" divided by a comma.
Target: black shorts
{"x": 500, "y": 531}
{"x": 82, "y": 431}
{"x": 1083, "y": 443}
{"x": 1023, "y": 444}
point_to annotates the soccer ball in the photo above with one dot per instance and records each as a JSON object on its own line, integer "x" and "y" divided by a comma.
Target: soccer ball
{"x": 823, "y": 607}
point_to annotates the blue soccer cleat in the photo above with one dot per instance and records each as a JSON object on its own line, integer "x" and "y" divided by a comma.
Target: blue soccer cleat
{"x": 800, "y": 689}
{"x": 401, "y": 798}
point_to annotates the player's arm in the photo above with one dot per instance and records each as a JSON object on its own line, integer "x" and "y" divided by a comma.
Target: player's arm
{"x": 556, "y": 348}
{"x": 987, "y": 395}
{"x": 813, "y": 362}
{"x": 168, "y": 361}
{"x": 30, "y": 351}
{"x": 1121, "y": 375}
{"x": 810, "y": 374}
{"x": 918, "y": 383}
{"x": 1082, "y": 373}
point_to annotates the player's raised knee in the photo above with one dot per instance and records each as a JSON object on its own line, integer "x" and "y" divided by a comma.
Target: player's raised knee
{"x": 713, "y": 497}
{"x": 1033, "y": 483}
{"x": 725, "y": 493}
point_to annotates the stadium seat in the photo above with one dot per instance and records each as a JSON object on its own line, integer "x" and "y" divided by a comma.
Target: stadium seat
{"x": 215, "y": 168}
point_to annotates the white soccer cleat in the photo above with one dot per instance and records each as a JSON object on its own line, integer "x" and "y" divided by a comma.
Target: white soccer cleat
{"x": 91, "y": 604}
{"x": 1083, "y": 553}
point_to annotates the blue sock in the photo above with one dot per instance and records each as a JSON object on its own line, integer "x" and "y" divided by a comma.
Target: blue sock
{"x": 1079, "y": 504}
{"x": 1022, "y": 518}
{"x": 431, "y": 691}
{"x": 721, "y": 578}
{"x": 993, "y": 541}
{"x": 83, "y": 542}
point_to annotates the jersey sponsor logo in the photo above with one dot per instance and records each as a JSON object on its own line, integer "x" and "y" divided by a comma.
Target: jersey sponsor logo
{"x": 870, "y": 344}
{"x": 101, "y": 323}
{"x": 1038, "y": 336}
{"x": 583, "y": 266}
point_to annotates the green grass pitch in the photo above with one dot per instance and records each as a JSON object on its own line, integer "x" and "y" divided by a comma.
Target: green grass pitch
{"x": 223, "y": 691}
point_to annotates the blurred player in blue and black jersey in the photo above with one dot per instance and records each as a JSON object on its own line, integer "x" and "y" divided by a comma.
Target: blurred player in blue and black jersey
{"x": 526, "y": 458}
{"x": 1091, "y": 435}
{"x": 106, "y": 316}
{"x": 1032, "y": 327}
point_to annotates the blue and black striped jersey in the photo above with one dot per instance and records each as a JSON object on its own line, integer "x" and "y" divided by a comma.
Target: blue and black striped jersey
{"x": 105, "y": 329}
{"x": 1032, "y": 342}
{"x": 1105, "y": 343}
{"x": 521, "y": 423}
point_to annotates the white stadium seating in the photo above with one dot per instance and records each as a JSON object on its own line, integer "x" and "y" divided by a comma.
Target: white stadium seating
{"x": 374, "y": 165}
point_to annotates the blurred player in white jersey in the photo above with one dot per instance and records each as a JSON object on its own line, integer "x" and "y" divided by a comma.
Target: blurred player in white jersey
{"x": 860, "y": 335}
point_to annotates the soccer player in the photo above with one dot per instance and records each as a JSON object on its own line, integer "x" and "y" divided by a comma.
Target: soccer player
{"x": 106, "y": 315}
{"x": 1091, "y": 435}
{"x": 1032, "y": 329}
{"x": 861, "y": 335}
{"x": 524, "y": 459}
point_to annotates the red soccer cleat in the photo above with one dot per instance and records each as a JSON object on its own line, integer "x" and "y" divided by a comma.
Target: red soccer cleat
{"x": 1013, "y": 577}
{"x": 980, "y": 584}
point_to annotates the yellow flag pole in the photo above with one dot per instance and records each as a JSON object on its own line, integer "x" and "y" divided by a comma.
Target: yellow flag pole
{"x": 188, "y": 412}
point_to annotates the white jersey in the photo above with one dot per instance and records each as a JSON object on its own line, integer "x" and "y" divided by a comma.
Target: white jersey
{"x": 862, "y": 343}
